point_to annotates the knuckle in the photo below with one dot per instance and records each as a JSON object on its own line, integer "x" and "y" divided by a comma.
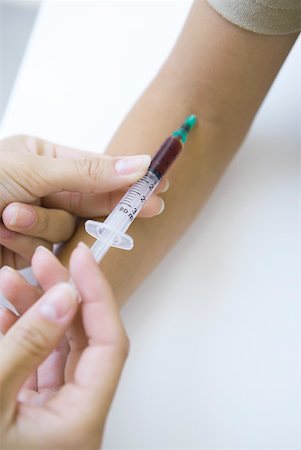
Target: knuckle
{"x": 54, "y": 225}
{"x": 91, "y": 167}
{"x": 42, "y": 223}
{"x": 36, "y": 176}
{"x": 30, "y": 340}
{"x": 75, "y": 202}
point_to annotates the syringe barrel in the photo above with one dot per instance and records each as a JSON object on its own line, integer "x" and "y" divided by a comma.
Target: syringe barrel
{"x": 134, "y": 199}
{"x": 112, "y": 231}
{"x": 165, "y": 156}
{"x": 132, "y": 202}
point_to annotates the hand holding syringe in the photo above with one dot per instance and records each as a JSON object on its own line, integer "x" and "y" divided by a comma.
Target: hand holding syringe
{"x": 111, "y": 232}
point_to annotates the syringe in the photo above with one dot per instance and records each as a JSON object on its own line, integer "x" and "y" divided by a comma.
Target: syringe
{"x": 111, "y": 232}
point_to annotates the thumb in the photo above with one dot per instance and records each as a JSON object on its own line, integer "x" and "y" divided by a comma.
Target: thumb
{"x": 91, "y": 173}
{"x": 30, "y": 340}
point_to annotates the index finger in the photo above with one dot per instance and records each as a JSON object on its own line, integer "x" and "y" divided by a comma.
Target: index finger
{"x": 101, "y": 363}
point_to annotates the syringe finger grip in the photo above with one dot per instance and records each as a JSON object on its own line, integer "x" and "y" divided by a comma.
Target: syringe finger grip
{"x": 119, "y": 240}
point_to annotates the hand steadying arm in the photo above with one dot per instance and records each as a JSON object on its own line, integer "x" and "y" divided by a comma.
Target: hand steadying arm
{"x": 219, "y": 72}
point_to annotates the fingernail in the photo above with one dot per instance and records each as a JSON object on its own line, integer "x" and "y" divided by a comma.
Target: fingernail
{"x": 6, "y": 310}
{"x": 20, "y": 216}
{"x": 132, "y": 164}
{"x": 162, "y": 207}
{"x": 166, "y": 186}
{"x": 82, "y": 245}
{"x": 58, "y": 301}
{"x": 7, "y": 269}
{"x": 42, "y": 249}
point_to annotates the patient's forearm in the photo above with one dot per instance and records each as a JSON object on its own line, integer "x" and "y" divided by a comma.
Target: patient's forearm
{"x": 220, "y": 73}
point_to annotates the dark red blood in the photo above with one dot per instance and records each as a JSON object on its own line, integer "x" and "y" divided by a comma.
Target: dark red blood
{"x": 166, "y": 155}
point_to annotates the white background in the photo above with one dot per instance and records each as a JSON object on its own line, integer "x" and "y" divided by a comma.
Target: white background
{"x": 16, "y": 20}
{"x": 215, "y": 330}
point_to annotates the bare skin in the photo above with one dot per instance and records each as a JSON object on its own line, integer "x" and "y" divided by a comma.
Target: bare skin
{"x": 219, "y": 72}
{"x": 44, "y": 186}
{"x": 216, "y": 71}
{"x": 61, "y": 360}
